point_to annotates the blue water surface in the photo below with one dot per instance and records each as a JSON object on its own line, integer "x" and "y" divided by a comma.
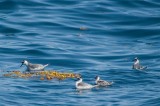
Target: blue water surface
{"x": 90, "y": 37}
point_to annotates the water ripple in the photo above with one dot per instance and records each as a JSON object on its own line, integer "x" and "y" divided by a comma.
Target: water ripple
{"x": 87, "y": 37}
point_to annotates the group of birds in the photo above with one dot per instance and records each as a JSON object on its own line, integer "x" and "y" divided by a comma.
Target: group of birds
{"x": 98, "y": 83}
{"x": 79, "y": 83}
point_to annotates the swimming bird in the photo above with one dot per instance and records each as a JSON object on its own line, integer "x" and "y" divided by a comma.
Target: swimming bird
{"x": 33, "y": 67}
{"x": 102, "y": 82}
{"x": 137, "y": 65}
{"x": 81, "y": 85}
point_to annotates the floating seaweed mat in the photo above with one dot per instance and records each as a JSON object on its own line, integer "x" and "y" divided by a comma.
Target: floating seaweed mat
{"x": 42, "y": 75}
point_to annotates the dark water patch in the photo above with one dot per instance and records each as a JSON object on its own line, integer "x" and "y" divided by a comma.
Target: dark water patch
{"x": 137, "y": 3}
{"x": 140, "y": 33}
{"x": 32, "y": 3}
{"x": 34, "y": 52}
{"x": 144, "y": 22}
{"x": 9, "y": 30}
{"x": 26, "y": 36}
{"x": 153, "y": 101}
{"x": 64, "y": 3}
{"x": 8, "y": 6}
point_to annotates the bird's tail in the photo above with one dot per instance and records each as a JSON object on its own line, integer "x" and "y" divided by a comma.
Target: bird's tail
{"x": 46, "y": 65}
{"x": 145, "y": 67}
{"x": 95, "y": 86}
{"x": 110, "y": 83}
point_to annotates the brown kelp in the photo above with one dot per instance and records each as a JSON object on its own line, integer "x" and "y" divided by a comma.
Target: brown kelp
{"x": 42, "y": 75}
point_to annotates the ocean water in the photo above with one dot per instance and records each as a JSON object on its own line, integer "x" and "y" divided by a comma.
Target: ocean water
{"x": 90, "y": 37}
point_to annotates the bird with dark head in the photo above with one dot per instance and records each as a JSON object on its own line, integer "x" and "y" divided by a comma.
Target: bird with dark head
{"x": 100, "y": 82}
{"x": 137, "y": 65}
{"x": 82, "y": 85}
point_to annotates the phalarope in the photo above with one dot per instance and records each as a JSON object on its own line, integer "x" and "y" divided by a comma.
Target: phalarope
{"x": 137, "y": 65}
{"x": 82, "y": 85}
{"x": 33, "y": 67}
{"x": 102, "y": 82}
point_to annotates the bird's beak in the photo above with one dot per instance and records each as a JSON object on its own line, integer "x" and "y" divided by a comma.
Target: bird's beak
{"x": 75, "y": 79}
{"x": 134, "y": 59}
{"x": 21, "y": 64}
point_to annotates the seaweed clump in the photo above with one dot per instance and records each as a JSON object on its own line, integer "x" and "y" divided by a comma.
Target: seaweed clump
{"x": 42, "y": 75}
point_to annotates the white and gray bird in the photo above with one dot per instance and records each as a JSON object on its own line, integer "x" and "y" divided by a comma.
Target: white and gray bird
{"x": 33, "y": 67}
{"x": 82, "y": 86}
{"x": 137, "y": 65}
{"x": 100, "y": 82}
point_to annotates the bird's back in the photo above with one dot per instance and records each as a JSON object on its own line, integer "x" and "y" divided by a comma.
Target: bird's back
{"x": 83, "y": 85}
{"x": 35, "y": 67}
